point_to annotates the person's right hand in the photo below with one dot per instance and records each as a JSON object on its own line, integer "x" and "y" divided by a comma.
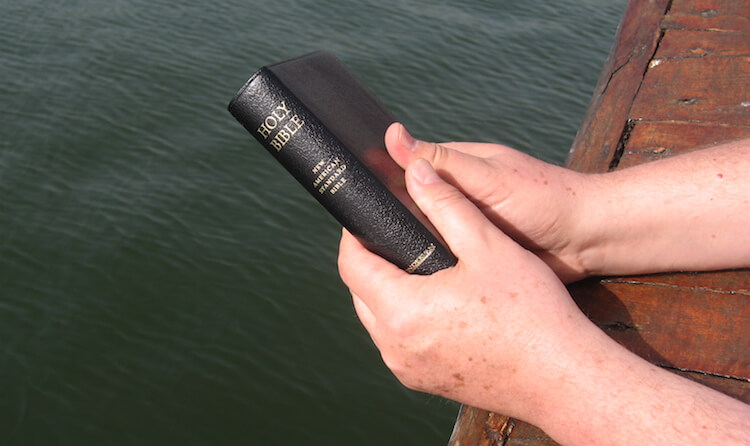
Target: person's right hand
{"x": 536, "y": 203}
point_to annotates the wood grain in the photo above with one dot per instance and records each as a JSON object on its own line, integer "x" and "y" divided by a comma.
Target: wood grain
{"x": 637, "y": 38}
{"x": 700, "y": 90}
{"x": 650, "y": 141}
{"x": 709, "y": 15}
{"x": 676, "y": 324}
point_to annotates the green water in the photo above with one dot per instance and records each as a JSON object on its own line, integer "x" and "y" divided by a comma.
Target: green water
{"x": 162, "y": 280}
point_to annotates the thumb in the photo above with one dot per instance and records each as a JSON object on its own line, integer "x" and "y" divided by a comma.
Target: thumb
{"x": 462, "y": 164}
{"x": 462, "y": 225}
{"x": 404, "y": 148}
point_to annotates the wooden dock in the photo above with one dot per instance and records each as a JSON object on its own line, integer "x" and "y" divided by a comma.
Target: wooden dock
{"x": 677, "y": 78}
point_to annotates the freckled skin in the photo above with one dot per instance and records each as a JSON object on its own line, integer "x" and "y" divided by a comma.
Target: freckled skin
{"x": 524, "y": 348}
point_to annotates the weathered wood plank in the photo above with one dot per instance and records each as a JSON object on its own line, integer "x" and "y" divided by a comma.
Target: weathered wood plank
{"x": 733, "y": 281}
{"x": 670, "y": 71}
{"x": 714, "y": 15}
{"x": 692, "y": 101}
{"x": 650, "y": 141}
{"x": 635, "y": 43}
{"x": 525, "y": 434}
{"x": 702, "y": 43}
{"x": 711, "y": 89}
{"x": 476, "y": 427}
{"x": 693, "y": 328}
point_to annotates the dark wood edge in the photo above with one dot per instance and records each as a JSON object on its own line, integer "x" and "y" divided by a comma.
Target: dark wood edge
{"x": 637, "y": 38}
{"x": 477, "y": 427}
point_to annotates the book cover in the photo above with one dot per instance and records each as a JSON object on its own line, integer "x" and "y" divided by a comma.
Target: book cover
{"x": 326, "y": 128}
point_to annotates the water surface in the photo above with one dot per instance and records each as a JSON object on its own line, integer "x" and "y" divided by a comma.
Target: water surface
{"x": 162, "y": 280}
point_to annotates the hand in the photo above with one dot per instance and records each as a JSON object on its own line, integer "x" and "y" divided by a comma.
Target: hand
{"x": 536, "y": 203}
{"x": 494, "y": 331}
{"x": 499, "y": 331}
{"x": 593, "y": 224}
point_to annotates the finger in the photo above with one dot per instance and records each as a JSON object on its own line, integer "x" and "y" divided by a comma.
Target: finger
{"x": 467, "y": 170}
{"x": 464, "y": 227}
{"x": 366, "y": 274}
{"x": 404, "y": 149}
{"x": 477, "y": 149}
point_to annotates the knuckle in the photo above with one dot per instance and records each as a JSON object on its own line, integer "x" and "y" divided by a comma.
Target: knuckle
{"x": 439, "y": 155}
{"x": 402, "y": 328}
{"x": 446, "y": 199}
{"x": 408, "y": 336}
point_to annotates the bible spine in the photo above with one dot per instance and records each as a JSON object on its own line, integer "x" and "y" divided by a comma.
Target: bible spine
{"x": 334, "y": 176}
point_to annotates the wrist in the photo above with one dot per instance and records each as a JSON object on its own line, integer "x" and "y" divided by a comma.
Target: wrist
{"x": 591, "y": 390}
{"x": 586, "y": 228}
{"x": 552, "y": 392}
{"x": 611, "y": 225}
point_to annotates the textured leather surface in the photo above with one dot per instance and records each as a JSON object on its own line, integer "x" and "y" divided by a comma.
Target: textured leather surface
{"x": 327, "y": 129}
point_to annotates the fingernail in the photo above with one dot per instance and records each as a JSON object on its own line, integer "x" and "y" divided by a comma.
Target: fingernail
{"x": 423, "y": 172}
{"x": 407, "y": 139}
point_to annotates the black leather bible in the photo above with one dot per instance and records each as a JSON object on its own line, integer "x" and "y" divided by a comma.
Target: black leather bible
{"x": 326, "y": 128}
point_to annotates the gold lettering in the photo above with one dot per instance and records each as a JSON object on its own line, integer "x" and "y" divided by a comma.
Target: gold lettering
{"x": 272, "y": 121}
{"x": 294, "y": 124}
{"x": 332, "y": 165}
{"x": 318, "y": 166}
{"x": 420, "y": 259}
{"x": 281, "y": 111}
{"x": 332, "y": 178}
{"x": 281, "y": 138}
{"x": 264, "y": 131}
{"x": 338, "y": 185}
{"x": 319, "y": 179}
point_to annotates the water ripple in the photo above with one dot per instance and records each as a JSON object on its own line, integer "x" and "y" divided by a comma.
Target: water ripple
{"x": 159, "y": 269}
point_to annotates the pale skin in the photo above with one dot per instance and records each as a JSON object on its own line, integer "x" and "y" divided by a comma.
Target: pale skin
{"x": 499, "y": 330}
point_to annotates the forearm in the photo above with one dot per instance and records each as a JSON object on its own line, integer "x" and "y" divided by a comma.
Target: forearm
{"x": 689, "y": 212}
{"x": 613, "y": 397}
